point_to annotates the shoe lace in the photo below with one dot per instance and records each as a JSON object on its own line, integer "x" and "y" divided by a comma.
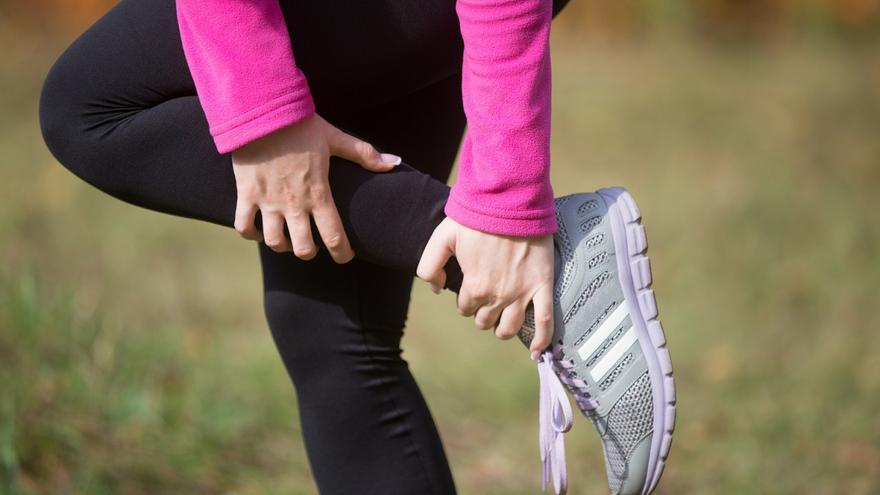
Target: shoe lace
{"x": 555, "y": 416}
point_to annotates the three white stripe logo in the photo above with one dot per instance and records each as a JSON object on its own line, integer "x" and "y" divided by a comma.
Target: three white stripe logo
{"x": 611, "y": 323}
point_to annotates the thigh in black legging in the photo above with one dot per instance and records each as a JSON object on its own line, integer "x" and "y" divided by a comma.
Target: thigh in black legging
{"x": 119, "y": 109}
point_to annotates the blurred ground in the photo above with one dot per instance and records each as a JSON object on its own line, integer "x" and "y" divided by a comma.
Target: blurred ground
{"x": 129, "y": 364}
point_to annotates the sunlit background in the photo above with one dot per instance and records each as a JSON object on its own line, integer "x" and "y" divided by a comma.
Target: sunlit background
{"x": 134, "y": 358}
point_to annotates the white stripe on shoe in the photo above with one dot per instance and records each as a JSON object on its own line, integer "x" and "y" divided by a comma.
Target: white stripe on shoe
{"x": 600, "y": 334}
{"x": 614, "y": 354}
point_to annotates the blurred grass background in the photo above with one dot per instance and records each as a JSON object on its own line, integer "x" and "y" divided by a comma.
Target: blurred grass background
{"x": 134, "y": 358}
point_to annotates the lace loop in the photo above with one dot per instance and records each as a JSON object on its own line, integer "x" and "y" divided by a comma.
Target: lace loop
{"x": 555, "y": 418}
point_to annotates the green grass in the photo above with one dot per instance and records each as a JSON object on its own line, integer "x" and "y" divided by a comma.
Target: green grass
{"x": 134, "y": 358}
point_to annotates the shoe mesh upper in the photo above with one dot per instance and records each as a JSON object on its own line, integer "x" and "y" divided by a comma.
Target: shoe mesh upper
{"x": 564, "y": 248}
{"x": 587, "y": 206}
{"x": 595, "y": 260}
{"x": 607, "y": 382}
{"x": 596, "y": 239}
{"x": 587, "y": 293}
{"x": 590, "y": 224}
{"x": 628, "y": 422}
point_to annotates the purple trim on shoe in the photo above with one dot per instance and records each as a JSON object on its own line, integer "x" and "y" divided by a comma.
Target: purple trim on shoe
{"x": 635, "y": 277}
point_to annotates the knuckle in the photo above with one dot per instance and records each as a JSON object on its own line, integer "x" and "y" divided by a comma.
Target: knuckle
{"x": 320, "y": 194}
{"x": 543, "y": 319}
{"x": 491, "y": 296}
{"x": 277, "y": 248}
{"x": 366, "y": 149}
{"x": 296, "y": 214}
{"x": 275, "y": 243}
{"x": 502, "y": 299}
{"x": 484, "y": 320}
{"x": 305, "y": 253}
{"x": 466, "y": 309}
{"x": 333, "y": 241}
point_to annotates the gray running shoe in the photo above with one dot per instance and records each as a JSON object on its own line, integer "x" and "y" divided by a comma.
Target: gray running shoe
{"x": 608, "y": 345}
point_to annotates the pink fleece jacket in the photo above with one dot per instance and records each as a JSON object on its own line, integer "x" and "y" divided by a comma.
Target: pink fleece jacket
{"x": 247, "y": 81}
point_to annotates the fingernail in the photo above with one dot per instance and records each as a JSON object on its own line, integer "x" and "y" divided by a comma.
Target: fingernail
{"x": 391, "y": 159}
{"x": 435, "y": 288}
{"x": 536, "y": 355}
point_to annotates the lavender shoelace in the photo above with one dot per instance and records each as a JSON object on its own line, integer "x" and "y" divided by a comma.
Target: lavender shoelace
{"x": 555, "y": 416}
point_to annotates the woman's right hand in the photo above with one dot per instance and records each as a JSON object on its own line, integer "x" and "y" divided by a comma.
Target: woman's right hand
{"x": 502, "y": 276}
{"x": 284, "y": 176}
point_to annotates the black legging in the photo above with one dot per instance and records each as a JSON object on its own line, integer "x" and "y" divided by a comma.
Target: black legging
{"x": 119, "y": 110}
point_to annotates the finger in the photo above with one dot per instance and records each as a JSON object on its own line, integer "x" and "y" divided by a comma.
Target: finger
{"x": 512, "y": 319}
{"x": 487, "y": 316}
{"x": 469, "y": 301}
{"x": 361, "y": 152}
{"x": 543, "y": 305}
{"x": 273, "y": 232}
{"x": 435, "y": 256}
{"x": 302, "y": 243}
{"x": 332, "y": 233}
{"x": 245, "y": 211}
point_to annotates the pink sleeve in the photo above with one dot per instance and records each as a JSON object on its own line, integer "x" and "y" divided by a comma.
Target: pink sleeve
{"x": 503, "y": 185}
{"x": 241, "y": 61}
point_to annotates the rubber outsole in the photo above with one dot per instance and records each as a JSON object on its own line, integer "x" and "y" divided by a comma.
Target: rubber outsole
{"x": 637, "y": 288}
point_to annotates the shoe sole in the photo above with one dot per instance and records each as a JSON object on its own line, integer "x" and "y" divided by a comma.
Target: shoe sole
{"x": 634, "y": 268}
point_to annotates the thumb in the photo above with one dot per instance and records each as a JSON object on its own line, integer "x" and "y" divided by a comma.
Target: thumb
{"x": 361, "y": 152}
{"x": 437, "y": 252}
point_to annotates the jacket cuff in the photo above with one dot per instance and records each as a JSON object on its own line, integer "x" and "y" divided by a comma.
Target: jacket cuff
{"x": 277, "y": 113}
{"x": 519, "y": 223}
